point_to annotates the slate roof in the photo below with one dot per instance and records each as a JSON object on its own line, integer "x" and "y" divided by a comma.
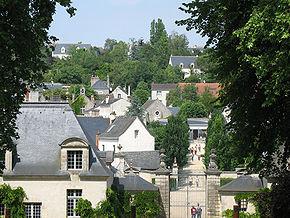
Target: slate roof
{"x": 118, "y": 127}
{"x": 185, "y": 60}
{"x": 100, "y": 85}
{"x": 134, "y": 183}
{"x": 50, "y": 86}
{"x": 148, "y": 103}
{"x": 146, "y": 160}
{"x": 197, "y": 121}
{"x": 111, "y": 101}
{"x": 42, "y": 127}
{"x": 174, "y": 110}
{"x": 243, "y": 183}
{"x": 67, "y": 46}
{"x": 92, "y": 125}
{"x": 163, "y": 87}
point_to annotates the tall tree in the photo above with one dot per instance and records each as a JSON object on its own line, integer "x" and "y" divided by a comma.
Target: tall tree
{"x": 142, "y": 92}
{"x": 178, "y": 44}
{"x": 251, "y": 39}
{"x": 136, "y": 109}
{"x": 23, "y": 34}
{"x": 176, "y": 142}
{"x": 191, "y": 109}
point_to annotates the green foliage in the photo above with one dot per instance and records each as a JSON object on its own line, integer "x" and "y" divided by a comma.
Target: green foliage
{"x": 62, "y": 93}
{"x": 136, "y": 109}
{"x": 208, "y": 100}
{"x": 118, "y": 205}
{"x": 175, "y": 141}
{"x": 251, "y": 41}
{"x": 158, "y": 131}
{"x": 78, "y": 104}
{"x": 230, "y": 214}
{"x": 177, "y": 96}
{"x": 190, "y": 109}
{"x": 147, "y": 204}
{"x": 178, "y": 44}
{"x": 23, "y": 35}
{"x": 142, "y": 92}
{"x": 219, "y": 138}
{"x": 13, "y": 200}
{"x": 225, "y": 181}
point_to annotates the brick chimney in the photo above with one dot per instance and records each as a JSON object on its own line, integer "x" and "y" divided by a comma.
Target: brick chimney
{"x": 94, "y": 79}
{"x": 97, "y": 139}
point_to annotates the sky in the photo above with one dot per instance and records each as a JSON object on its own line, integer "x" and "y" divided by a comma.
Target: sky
{"x": 97, "y": 20}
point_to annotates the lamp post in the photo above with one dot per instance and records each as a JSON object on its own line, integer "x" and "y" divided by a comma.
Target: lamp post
{"x": 189, "y": 183}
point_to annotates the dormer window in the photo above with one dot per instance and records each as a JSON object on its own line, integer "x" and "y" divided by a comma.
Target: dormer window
{"x": 192, "y": 65}
{"x": 181, "y": 65}
{"x": 74, "y": 160}
{"x": 62, "y": 50}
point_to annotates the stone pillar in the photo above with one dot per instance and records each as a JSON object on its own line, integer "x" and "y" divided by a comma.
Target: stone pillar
{"x": 213, "y": 207}
{"x": 8, "y": 160}
{"x": 162, "y": 181}
{"x": 174, "y": 173}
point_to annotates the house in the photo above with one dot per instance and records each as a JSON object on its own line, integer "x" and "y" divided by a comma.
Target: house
{"x": 121, "y": 93}
{"x": 154, "y": 110}
{"x": 187, "y": 64}
{"x": 242, "y": 184}
{"x": 160, "y": 91}
{"x": 201, "y": 88}
{"x": 116, "y": 106}
{"x": 62, "y": 50}
{"x": 130, "y": 132}
{"x": 54, "y": 164}
{"x": 99, "y": 86}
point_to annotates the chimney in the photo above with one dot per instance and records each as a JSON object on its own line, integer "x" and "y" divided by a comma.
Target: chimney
{"x": 94, "y": 79}
{"x": 92, "y": 98}
{"x": 97, "y": 139}
{"x": 129, "y": 90}
{"x": 108, "y": 81}
{"x": 82, "y": 91}
{"x": 107, "y": 99}
{"x": 112, "y": 117}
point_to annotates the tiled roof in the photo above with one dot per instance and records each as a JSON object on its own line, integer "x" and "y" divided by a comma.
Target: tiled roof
{"x": 134, "y": 183}
{"x": 100, "y": 85}
{"x": 118, "y": 127}
{"x": 92, "y": 125}
{"x": 68, "y": 46}
{"x": 146, "y": 160}
{"x": 243, "y": 184}
{"x": 42, "y": 127}
{"x": 202, "y": 87}
{"x": 185, "y": 60}
{"x": 163, "y": 87}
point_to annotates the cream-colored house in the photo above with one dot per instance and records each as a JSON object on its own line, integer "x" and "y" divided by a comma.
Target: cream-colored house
{"x": 54, "y": 163}
{"x": 161, "y": 91}
{"x": 155, "y": 110}
{"x": 116, "y": 106}
{"x": 130, "y": 132}
{"x": 119, "y": 92}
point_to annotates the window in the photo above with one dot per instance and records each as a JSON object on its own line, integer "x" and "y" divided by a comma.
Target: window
{"x": 103, "y": 147}
{"x": 2, "y": 209}
{"x": 62, "y": 50}
{"x": 243, "y": 205}
{"x": 153, "y": 181}
{"x": 119, "y": 95}
{"x": 74, "y": 160}
{"x": 32, "y": 210}
{"x": 72, "y": 199}
{"x": 159, "y": 92}
{"x": 114, "y": 147}
{"x": 136, "y": 133}
{"x": 157, "y": 113}
{"x": 192, "y": 65}
{"x": 181, "y": 65}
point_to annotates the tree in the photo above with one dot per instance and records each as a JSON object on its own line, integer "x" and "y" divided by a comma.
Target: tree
{"x": 109, "y": 44}
{"x": 208, "y": 100}
{"x": 219, "y": 138}
{"x": 176, "y": 142}
{"x": 158, "y": 131}
{"x": 190, "y": 109}
{"x": 251, "y": 41}
{"x": 177, "y": 96}
{"x": 22, "y": 63}
{"x": 142, "y": 92}
{"x": 136, "y": 109}
{"x": 178, "y": 44}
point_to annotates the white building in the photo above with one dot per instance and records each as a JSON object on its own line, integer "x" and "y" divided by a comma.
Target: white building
{"x": 187, "y": 64}
{"x": 119, "y": 92}
{"x": 160, "y": 91}
{"x": 62, "y": 50}
{"x": 130, "y": 133}
{"x": 155, "y": 110}
{"x": 54, "y": 164}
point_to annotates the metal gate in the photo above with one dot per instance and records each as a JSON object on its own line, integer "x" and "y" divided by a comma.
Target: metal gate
{"x": 189, "y": 191}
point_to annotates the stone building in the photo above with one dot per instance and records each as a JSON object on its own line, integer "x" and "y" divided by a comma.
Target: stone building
{"x": 54, "y": 163}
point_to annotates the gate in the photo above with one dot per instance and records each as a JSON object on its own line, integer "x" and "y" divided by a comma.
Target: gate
{"x": 189, "y": 191}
